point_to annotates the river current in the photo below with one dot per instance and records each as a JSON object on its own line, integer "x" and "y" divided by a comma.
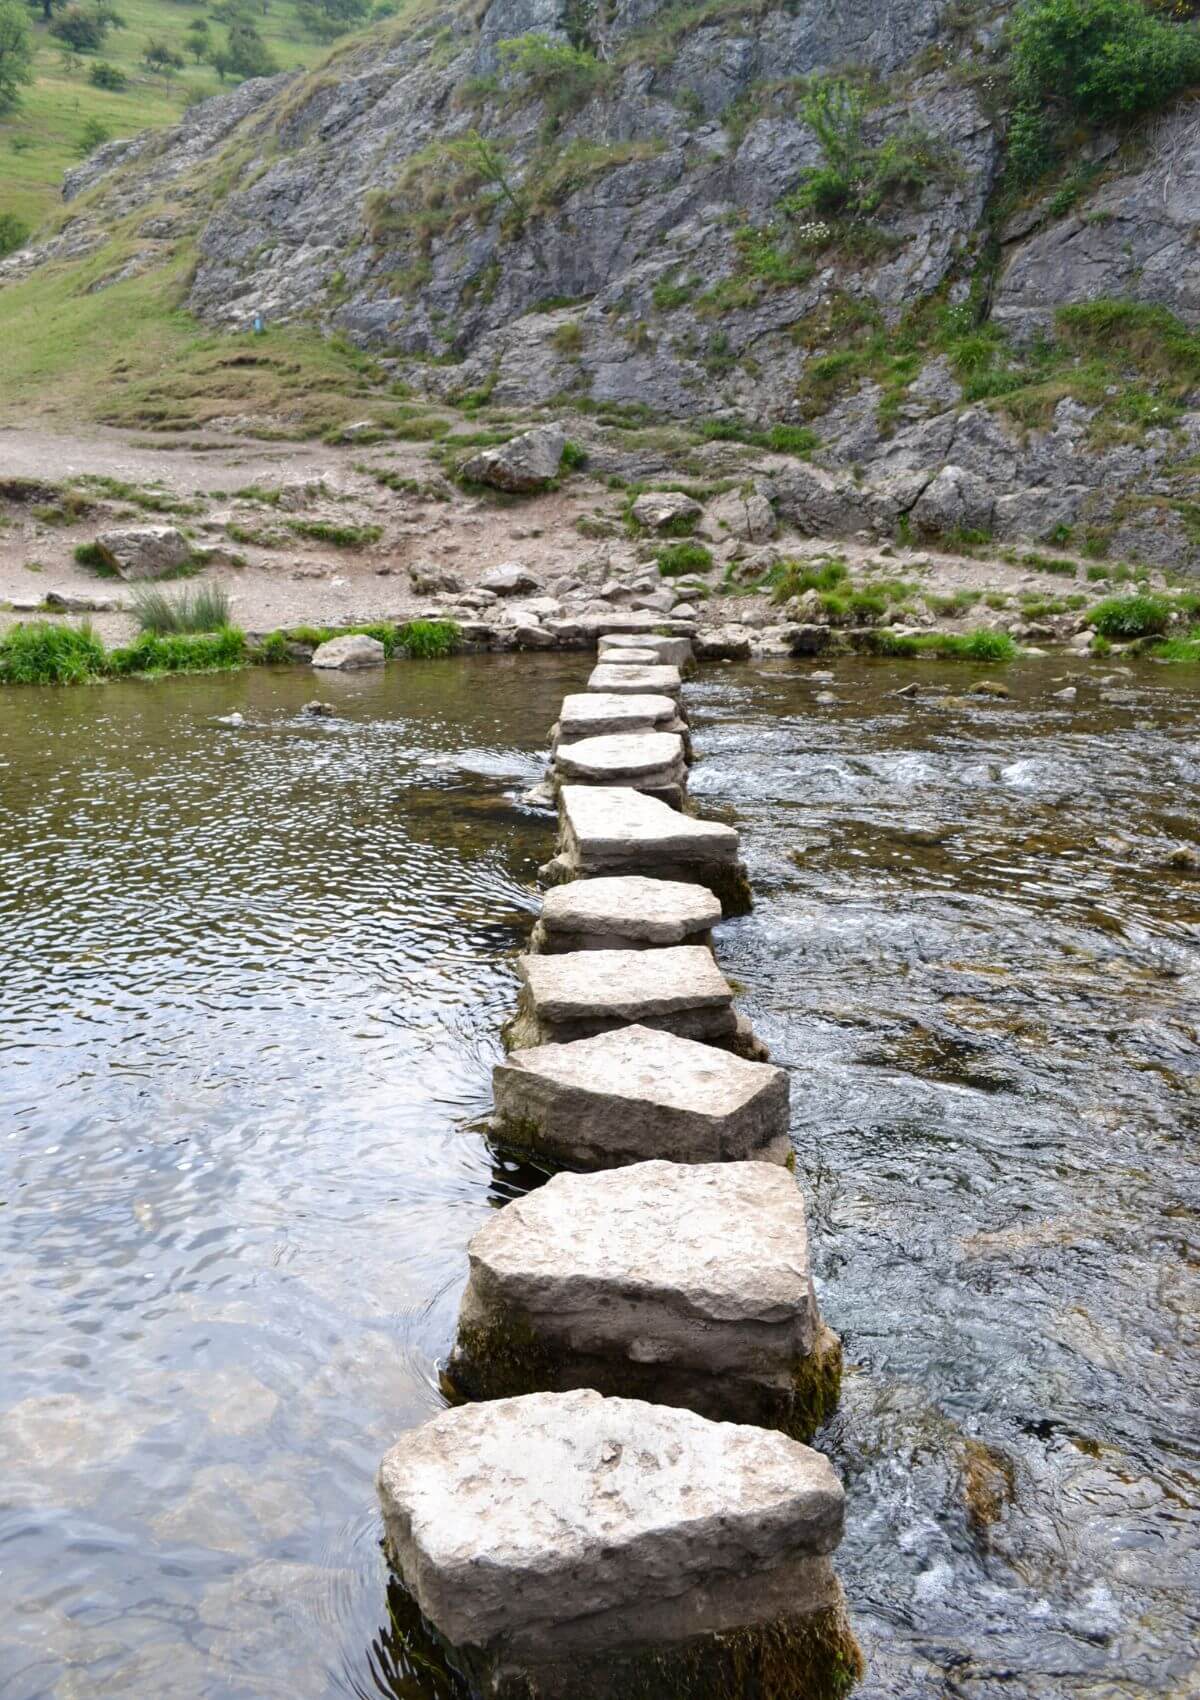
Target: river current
{"x": 251, "y": 983}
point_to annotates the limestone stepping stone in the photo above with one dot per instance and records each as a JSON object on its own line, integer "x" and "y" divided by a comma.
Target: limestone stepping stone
{"x": 648, "y": 761}
{"x": 684, "y": 1284}
{"x": 635, "y": 681}
{"x": 602, "y": 714}
{"x": 568, "y": 1545}
{"x": 624, "y": 913}
{"x": 633, "y": 622}
{"x": 638, "y": 1092}
{"x": 629, "y": 658}
{"x": 666, "y": 651}
{"x": 679, "y": 989}
{"x": 616, "y": 830}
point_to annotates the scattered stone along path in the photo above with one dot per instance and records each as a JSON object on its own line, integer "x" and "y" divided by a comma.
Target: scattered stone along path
{"x": 562, "y": 1537}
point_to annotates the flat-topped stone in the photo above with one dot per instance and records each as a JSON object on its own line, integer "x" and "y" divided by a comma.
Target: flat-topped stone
{"x": 628, "y": 622}
{"x": 602, "y": 714}
{"x": 573, "y": 996}
{"x": 665, "y": 651}
{"x": 624, "y": 913}
{"x": 567, "y": 1545}
{"x": 635, "y": 681}
{"x": 648, "y": 761}
{"x": 684, "y": 1284}
{"x": 629, "y": 658}
{"x": 638, "y": 1092}
{"x": 617, "y": 830}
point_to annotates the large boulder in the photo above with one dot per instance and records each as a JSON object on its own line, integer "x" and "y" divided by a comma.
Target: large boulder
{"x": 509, "y": 579}
{"x": 954, "y": 501}
{"x": 145, "y": 551}
{"x": 744, "y": 514}
{"x": 528, "y": 463}
{"x": 349, "y": 654}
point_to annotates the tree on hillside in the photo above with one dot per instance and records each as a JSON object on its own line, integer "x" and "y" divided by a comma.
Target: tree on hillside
{"x": 245, "y": 54}
{"x": 46, "y": 8}
{"x": 199, "y": 39}
{"x": 16, "y": 53}
{"x": 80, "y": 29}
{"x": 327, "y": 19}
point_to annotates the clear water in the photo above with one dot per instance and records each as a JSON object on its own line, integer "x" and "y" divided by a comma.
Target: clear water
{"x": 251, "y": 988}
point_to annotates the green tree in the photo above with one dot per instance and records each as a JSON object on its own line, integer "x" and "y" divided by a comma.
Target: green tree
{"x": 245, "y": 55}
{"x": 1101, "y": 60}
{"x": 16, "y": 53}
{"x": 14, "y": 233}
{"x": 199, "y": 39}
{"x": 80, "y": 29}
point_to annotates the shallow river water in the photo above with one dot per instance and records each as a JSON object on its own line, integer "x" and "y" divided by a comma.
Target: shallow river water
{"x": 252, "y": 982}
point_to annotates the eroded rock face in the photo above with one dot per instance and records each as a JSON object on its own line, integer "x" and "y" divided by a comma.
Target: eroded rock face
{"x": 630, "y": 913}
{"x": 548, "y": 1537}
{"x": 638, "y": 1092}
{"x": 610, "y": 1281}
{"x": 145, "y": 551}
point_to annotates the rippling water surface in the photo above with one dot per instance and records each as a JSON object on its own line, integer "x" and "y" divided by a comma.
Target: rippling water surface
{"x": 252, "y": 983}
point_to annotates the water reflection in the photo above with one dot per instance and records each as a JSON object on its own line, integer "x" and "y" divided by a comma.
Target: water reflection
{"x": 253, "y": 981}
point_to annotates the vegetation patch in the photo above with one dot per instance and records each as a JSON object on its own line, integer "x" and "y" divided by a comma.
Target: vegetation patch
{"x": 202, "y": 610}
{"x": 340, "y": 536}
{"x": 1120, "y": 619}
{"x": 179, "y": 652}
{"x": 44, "y": 653}
{"x": 675, "y": 559}
{"x": 978, "y": 645}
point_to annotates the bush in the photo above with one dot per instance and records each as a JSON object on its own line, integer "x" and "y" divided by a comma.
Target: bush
{"x": 856, "y": 179}
{"x": 14, "y": 233}
{"x": 105, "y": 76}
{"x": 341, "y": 536}
{"x": 674, "y": 559}
{"x": 564, "y": 77}
{"x": 792, "y": 578}
{"x": 948, "y": 646}
{"x": 84, "y": 31}
{"x": 1122, "y": 618}
{"x": 203, "y": 610}
{"x": 42, "y": 653}
{"x": 574, "y": 456}
{"x": 93, "y": 134}
{"x": 1101, "y": 60}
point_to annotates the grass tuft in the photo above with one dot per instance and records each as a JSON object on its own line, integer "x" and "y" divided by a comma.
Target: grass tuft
{"x": 1123, "y": 618}
{"x": 203, "y": 610}
{"x": 43, "y": 653}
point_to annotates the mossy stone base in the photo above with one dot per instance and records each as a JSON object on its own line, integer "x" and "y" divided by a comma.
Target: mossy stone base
{"x": 502, "y": 1356}
{"x": 809, "y": 1656}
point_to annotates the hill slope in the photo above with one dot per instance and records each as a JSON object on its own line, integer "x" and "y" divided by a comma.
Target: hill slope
{"x": 682, "y": 213}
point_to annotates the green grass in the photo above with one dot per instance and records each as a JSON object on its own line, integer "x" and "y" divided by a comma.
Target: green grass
{"x": 948, "y": 646}
{"x": 675, "y": 559}
{"x": 428, "y": 640}
{"x": 207, "y": 652}
{"x": 1182, "y": 649}
{"x": 203, "y": 610}
{"x": 48, "y": 124}
{"x": 420, "y": 640}
{"x": 1123, "y": 618}
{"x": 793, "y": 578}
{"x": 91, "y": 556}
{"x": 341, "y": 536}
{"x": 41, "y": 653}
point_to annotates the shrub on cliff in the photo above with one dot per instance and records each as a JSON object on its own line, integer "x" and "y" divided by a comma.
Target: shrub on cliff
{"x": 1099, "y": 60}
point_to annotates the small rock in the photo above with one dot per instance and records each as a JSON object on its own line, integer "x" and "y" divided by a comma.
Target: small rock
{"x": 657, "y": 510}
{"x": 317, "y": 709}
{"x": 988, "y": 688}
{"x": 428, "y": 579}
{"x": 724, "y": 643}
{"x": 1067, "y": 694}
{"x": 350, "y": 653}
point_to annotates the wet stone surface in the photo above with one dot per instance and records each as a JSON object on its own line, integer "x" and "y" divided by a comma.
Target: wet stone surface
{"x": 627, "y": 912}
{"x": 245, "y": 1053}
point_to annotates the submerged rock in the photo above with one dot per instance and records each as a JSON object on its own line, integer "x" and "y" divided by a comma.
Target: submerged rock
{"x": 638, "y": 1092}
{"x": 613, "y": 1281}
{"x": 564, "y": 1544}
{"x": 350, "y": 653}
{"x": 624, "y": 913}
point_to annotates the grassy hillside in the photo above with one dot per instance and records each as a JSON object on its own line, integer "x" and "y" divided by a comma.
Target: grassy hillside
{"x": 44, "y": 136}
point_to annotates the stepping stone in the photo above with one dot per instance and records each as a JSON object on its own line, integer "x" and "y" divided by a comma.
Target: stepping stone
{"x": 647, "y": 761}
{"x": 666, "y": 651}
{"x": 631, "y": 622}
{"x": 629, "y": 913}
{"x": 683, "y": 1284}
{"x": 679, "y": 989}
{"x": 638, "y": 1092}
{"x": 568, "y": 1545}
{"x": 629, "y": 658}
{"x": 635, "y": 681}
{"x": 601, "y": 714}
{"x": 616, "y": 830}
